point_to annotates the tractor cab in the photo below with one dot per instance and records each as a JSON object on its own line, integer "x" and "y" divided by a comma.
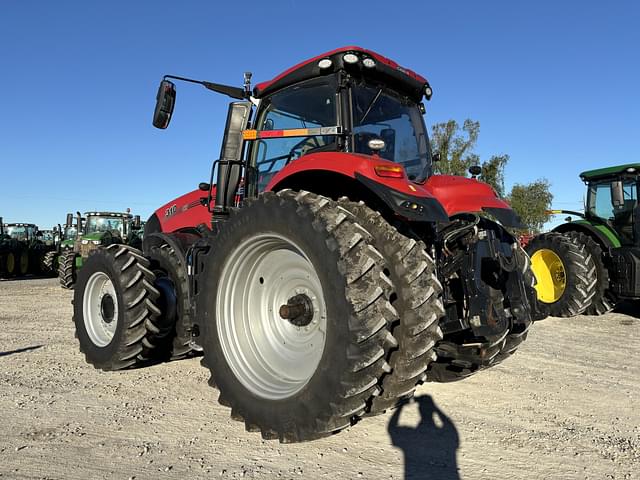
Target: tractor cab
{"x": 22, "y": 232}
{"x": 351, "y": 101}
{"x": 612, "y": 199}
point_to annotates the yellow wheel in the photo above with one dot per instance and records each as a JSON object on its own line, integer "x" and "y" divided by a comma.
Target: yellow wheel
{"x": 565, "y": 273}
{"x": 11, "y": 264}
{"x": 23, "y": 263}
{"x": 550, "y": 275}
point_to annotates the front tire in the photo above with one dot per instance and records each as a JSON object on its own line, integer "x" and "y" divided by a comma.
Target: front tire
{"x": 172, "y": 282}
{"x": 67, "y": 269}
{"x": 312, "y": 374}
{"x": 49, "y": 265}
{"x": 114, "y": 308}
{"x": 565, "y": 273}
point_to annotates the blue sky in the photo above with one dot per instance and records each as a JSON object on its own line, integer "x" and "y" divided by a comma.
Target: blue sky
{"x": 553, "y": 84}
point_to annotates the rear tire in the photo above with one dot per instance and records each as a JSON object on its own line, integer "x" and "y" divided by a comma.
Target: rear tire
{"x": 603, "y": 301}
{"x": 67, "y": 269}
{"x": 114, "y": 308}
{"x": 418, "y": 303}
{"x": 565, "y": 272}
{"x": 314, "y": 379}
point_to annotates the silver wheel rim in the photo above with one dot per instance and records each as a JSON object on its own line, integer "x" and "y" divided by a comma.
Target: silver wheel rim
{"x": 270, "y": 356}
{"x": 99, "y": 321}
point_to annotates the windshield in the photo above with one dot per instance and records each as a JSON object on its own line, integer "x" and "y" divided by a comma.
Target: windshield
{"x": 20, "y": 233}
{"x": 383, "y": 114}
{"x": 105, "y": 224}
{"x": 70, "y": 233}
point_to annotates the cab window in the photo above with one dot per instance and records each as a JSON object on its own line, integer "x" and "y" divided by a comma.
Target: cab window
{"x": 309, "y": 104}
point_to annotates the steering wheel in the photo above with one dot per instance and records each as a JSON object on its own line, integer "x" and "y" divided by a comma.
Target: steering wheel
{"x": 304, "y": 145}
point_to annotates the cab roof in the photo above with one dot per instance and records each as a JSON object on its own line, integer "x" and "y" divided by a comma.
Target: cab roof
{"x": 21, "y": 225}
{"x": 108, "y": 214}
{"x": 385, "y": 70}
{"x": 610, "y": 171}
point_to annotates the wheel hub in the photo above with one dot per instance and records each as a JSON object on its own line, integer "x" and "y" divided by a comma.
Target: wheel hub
{"x": 107, "y": 308}
{"x": 298, "y": 310}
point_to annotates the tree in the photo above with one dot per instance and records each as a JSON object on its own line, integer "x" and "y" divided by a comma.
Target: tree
{"x": 531, "y": 202}
{"x": 455, "y": 146}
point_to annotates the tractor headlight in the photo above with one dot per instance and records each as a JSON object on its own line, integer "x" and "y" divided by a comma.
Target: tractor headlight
{"x": 85, "y": 242}
{"x": 95, "y": 242}
{"x": 325, "y": 63}
{"x": 350, "y": 58}
{"x": 369, "y": 62}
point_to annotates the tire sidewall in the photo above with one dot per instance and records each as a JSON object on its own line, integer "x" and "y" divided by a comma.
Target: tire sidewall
{"x": 305, "y": 405}
{"x": 98, "y": 262}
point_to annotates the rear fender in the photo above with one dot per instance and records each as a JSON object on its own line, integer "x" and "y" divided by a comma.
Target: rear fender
{"x": 336, "y": 174}
{"x": 600, "y": 233}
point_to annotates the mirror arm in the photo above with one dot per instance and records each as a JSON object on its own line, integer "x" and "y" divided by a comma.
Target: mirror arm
{"x": 233, "y": 92}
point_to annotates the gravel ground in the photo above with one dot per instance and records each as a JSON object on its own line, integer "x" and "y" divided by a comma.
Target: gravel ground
{"x": 565, "y": 406}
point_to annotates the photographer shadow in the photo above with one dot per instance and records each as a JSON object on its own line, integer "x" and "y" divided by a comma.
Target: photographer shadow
{"x": 430, "y": 448}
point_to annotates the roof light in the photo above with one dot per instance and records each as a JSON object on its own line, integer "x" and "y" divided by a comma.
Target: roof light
{"x": 369, "y": 62}
{"x": 325, "y": 63}
{"x": 631, "y": 170}
{"x": 350, "y": 58}
{"x": 390, "y": 171}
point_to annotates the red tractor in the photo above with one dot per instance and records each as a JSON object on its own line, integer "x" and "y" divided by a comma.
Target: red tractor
{"x": 328, "y": 272}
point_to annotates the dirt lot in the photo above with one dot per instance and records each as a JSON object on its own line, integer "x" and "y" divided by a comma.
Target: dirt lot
{"x": 567, "y": 405}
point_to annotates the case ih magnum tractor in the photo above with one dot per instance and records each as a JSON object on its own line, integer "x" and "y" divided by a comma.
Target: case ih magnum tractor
{"x": 588, "y": 265}
{"x": 329, "y": 272}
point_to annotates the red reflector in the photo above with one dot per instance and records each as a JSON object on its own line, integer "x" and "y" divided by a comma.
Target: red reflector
{"x": 391, "y": 171}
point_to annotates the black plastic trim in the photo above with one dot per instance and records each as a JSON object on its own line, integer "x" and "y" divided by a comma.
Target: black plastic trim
{"x": 428, "y": 210}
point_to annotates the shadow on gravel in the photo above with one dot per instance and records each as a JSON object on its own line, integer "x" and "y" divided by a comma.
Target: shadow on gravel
{"x": 629, "y": 308}
{"x": 20, "y": 350}
{"x": 430, "y": 448}
{"x": 27, "y": 277}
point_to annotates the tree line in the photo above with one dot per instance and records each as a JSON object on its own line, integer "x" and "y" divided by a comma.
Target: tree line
{"x": 455, "y": 146}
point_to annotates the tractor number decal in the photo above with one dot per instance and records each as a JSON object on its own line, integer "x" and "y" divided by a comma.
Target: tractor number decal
{"x": 171, "y": 210}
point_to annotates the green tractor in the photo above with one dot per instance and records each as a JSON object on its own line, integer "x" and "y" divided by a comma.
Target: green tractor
{"x": 22, "y": 249}
{"x": 97, "y": 229}
{"x": 63, "y": 240}
{"x": 589, "y": 265}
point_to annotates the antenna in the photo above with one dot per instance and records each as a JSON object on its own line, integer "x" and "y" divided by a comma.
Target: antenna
{"x": 247, "y": 83}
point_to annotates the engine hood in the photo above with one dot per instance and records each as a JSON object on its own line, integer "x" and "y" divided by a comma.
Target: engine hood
{"x": 460, "y": 194}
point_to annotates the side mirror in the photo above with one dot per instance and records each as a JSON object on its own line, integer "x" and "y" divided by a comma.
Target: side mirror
{"x": 165, "y": 101}
{"x": 617, "y": 194}
{"x": 136, "y": 221}
{"x": 435, "y": 157}
{"x": 475, "y": 170}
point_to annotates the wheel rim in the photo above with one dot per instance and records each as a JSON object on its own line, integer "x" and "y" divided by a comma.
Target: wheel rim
{"x": 24, "y": 262}
{"x": 100, "y": 309}
{"x": 270, "y": 356}
{"x": 550, "y": 275}
{"x": 11, "y": 263}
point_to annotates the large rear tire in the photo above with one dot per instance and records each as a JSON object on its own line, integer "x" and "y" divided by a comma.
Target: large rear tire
{"x": 604, "y": 300}
{"x": 418, "y": 302}
{"x": 67, "y": 269}
{"x": 114, "y": 308}
{"x": 11, "y": 264}
{"x": 317, "y": 371}
{"x": 565, "y": 273}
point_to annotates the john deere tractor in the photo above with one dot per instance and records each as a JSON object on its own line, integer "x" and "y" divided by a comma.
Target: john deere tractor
{"x": 21, "y": 249}
{"x": 63, "y": 240}
{"x": 96, "y": 229}
{"x": 590, "y": 264}
{"x": 328, "y": 272}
